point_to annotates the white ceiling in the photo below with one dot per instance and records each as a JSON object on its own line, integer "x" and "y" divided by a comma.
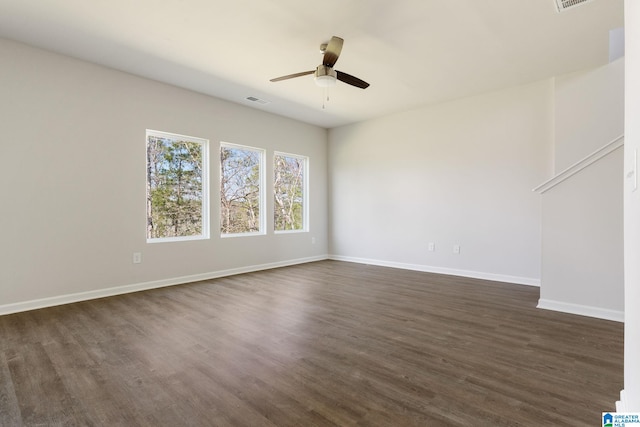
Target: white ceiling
{"x": 412, "y": 52}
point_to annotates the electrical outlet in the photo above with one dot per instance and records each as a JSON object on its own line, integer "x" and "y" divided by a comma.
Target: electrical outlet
{"x": 137, "y": 257}
{"x": 432, "y": 246}
{"x": 456, "y": 249}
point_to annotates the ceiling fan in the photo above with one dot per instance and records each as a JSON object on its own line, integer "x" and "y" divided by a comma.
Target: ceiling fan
{"x": 325, "y": 75}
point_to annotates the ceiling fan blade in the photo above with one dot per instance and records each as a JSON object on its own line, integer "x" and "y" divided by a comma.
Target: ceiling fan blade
{"x": 331, "y": 54}
{"x": 351, "y": 80}
{"x": 292, "y": 76}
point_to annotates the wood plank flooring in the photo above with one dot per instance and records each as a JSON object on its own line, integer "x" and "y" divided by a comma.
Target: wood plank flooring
{"x": 321, "y": 344}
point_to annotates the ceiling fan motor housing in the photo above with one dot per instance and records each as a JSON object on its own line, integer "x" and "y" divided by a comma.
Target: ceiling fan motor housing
{"x": 325, "y": 76}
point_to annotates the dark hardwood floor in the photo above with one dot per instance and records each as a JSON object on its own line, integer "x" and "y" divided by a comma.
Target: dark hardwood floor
{"x": 327, "y": 343}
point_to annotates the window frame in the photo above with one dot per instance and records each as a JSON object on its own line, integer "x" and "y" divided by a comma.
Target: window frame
{"x": 305, "y": 192}
{"x": 205, "y": 200}
{"x": 262, "y": 198}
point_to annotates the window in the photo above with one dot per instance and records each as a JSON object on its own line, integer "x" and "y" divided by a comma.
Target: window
{"x": 241, "y": 200}
{"x": 177, "y": 195}
{"x": 290, "y": 192}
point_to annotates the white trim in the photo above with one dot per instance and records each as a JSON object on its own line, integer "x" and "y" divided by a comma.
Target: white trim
{"x": 305, "y": 190}
{"x": 263, "y": 188}
{"x": 154, "y": 240}
{"x": 247, "y": 234}
{"x": 582, "y": 310}
{"x": 529, "y": 281}
{"x": 119, "y": 290}
{"x": 206, "y": 203}
{"x": 621, "y": 405}
{"x": 577, "y": 167}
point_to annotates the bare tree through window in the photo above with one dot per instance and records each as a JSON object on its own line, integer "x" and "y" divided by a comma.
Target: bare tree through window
{"x": 289, "y": 192}
{"x": 240, "y": 189}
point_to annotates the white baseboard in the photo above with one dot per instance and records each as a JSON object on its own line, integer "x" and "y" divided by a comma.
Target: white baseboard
{"x": 621, "y": 405}
{"x": 440, "y": 270}
{"x": 582, "y": 310}
{"x": 119, "y": 290}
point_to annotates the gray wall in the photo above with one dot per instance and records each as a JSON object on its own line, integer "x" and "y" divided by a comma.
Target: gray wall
{"x": 73, "y": 181}
{"x": 459, "y": 173}
{"x": 582, "y": 242}
{"x": 589, "y": 112}
{"x": 582, "y": 217}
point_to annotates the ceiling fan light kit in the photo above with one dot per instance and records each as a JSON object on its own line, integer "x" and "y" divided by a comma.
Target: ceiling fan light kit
{"x": 325, "y": 75}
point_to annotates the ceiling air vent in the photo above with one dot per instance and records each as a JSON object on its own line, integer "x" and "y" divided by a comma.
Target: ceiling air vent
{"x": 257, "y": 100}
{"x": 568, "y": 4}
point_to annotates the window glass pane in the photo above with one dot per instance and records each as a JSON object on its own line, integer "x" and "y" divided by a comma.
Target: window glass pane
{"x": 176, "y": 179}
{"x": 240, "y": 189}
{"x": 289, "y": 192}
